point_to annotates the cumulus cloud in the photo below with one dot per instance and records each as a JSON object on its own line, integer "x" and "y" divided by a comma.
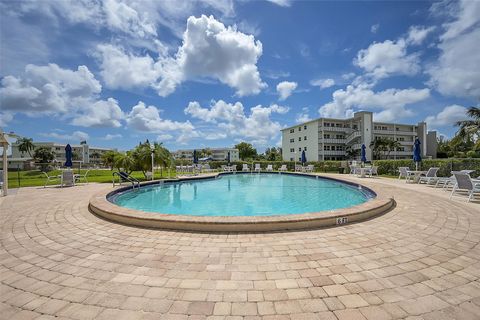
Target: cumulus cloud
{"x": 209, "y": 50}
{"x": 374, "y": 28}
{"x": 323, "y": 83}
{"x": 232, "y": 120}
{"x": 102, "y": 113}
{"x": 303, "y": 116}
{"x": 448, "y": 116}
{"x": 455, "y": 73}
{"x": 164, "y": 137}
{"x": 121, "y": 70}
{"x": 147, "y": 119}
{"x": 285, "y": 89}
{"x": 52, "y": 90}
{"x": 383, "y": 59}
{"x": 417, "y": 34}
{"x": 75, "y": 136}
{"x": 391, "y": 103}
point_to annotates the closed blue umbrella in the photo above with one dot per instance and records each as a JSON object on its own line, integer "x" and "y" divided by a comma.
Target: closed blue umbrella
{"x": 363, "y": 154}
{"x": 195, "y": 157}
{"x": 304, "y": 158}
{"x": 417, "y": 157}
{"x": 68, "y": 156}
{"x": 228, "y": 157}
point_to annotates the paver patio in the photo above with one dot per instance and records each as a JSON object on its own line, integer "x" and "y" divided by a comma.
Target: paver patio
{"x": 419, "y": 261}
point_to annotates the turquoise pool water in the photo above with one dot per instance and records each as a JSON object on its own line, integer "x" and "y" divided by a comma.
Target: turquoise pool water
{"x": 244, "y": 195}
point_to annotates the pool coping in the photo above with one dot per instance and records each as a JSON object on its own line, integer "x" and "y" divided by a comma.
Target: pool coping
{"x": 101, "y": 206}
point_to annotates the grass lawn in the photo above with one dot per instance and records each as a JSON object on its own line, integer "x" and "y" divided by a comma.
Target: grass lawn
{"x": 37, "y": 178}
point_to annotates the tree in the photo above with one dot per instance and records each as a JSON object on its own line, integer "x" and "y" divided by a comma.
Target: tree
{"x": 142, "y": 155}
{"x": 352, "y": 153}
{"x": 470, "y": 129}
{"x": 109, "y": 157}
{"x": 43, "y": 156}
{"x": 125, "y": 161}
{"x": 273, "y": 154}
{"x": 246, "y": 150}
{"x": 26, "y": 145}
{"x": 383, "y": 146}
{"x": 76, "y": 156}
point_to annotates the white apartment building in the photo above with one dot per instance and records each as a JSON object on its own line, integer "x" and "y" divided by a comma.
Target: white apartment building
{"x": 329, "y": 139}
{"x": 84, "y": 153}
{"x": 218, "y": 154}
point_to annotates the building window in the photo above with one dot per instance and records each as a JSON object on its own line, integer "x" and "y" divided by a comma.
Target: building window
{"x": 300, "y": 149}
{"x": 299, "y": 138}
{"x": 326, "y": 136}
{"x": 292, "y": 149}
{"x": 326, "y": 148}
{"x": 292, "y": 140}
{"x": 305, "y": 138}
{"x": 291, "y": 159}
{"x": 292, "y": 130}
{"x": 326, "y": 124}
{"x": 338, "y": 125}
{"x": 339, "y": 136}
{"x": 305, "y": 148}
{"x": 304, "y": 127}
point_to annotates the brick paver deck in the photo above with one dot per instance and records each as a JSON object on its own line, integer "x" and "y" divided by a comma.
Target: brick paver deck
{"x": 419, "y": 261}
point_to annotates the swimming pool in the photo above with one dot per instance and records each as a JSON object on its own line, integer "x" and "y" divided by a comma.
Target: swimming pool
{"x": 244, "y": 195}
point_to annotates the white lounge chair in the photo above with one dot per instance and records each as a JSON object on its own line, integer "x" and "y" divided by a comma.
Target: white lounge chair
{"x": 372, "y": 171}
{"x": 233, "y": 168}
{"x": 50, "y": 178}
{"x": 245, "y": 167}
{"x": 257, "y": 167}
{"x": 269, "y": 168}
{"x": 465, "y": 183}
{"x": 283, "y": 168}
{"x": 68, "y": 178}
{"x": 299, "y": 168}
{"x": 309, "y": 168}
{"x": 430, "y": 176}
{"x": 405, "y": 173}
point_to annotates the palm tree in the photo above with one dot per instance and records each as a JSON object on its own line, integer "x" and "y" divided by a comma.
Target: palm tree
{"x": 125, "y": 161}
{"x": 108, "y": 158}
{"x": 26, "y": 145}
{"x": 470, "y": 128}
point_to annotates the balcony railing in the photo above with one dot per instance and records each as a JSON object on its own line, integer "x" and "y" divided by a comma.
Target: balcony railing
{"x": 334, "y": 129}
{"x": 352, "y": 136}
{"x": 328, "y": 140}
{"x": 400, "y": 133}
{"x": 332, "y": 153}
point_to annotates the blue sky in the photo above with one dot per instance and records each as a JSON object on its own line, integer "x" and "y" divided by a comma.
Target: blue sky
{"x": 212, "y": 73}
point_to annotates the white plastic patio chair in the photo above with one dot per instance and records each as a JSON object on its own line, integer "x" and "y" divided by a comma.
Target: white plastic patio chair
{"x": 269, "y": 168}
{"x": 50, "y": 178}
{"x": 245, "y": 167}
{"x": 283, "y": 168}
{"x": 298, "y": 168}
{"x": 233, "y": 168}
{"x": 405, "y": 173}
{"x": 372, "y": 171}
{"x": 466, "y": 184}
{"x": 257, "y": 167}
{"x": 430, "y": 176}
{"x": 309, "y": 168}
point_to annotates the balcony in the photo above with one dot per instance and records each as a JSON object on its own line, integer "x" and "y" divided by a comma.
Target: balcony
{"x": 356, "y": 146}
{"x": 398, "y": 133}
{"x": 340, "y": 141}
{"x": 334, "y": 129}
{"x": 332, "y": 153}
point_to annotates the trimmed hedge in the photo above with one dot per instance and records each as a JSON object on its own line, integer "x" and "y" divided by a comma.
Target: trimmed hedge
{"x": 385, "y": 167}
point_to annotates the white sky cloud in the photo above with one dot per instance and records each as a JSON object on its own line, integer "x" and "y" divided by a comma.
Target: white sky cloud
{"x": 390, "y": 102}
{"x": 417, "y": 34}
{"x": 74, "y": 137}
{"x": 374, "y": 28}
{"x": 110, "y": 136}
{"x": 383, "y": 59}
{"x": 447, "y": 117}
{"x": 285, "y": 89}
{"x": 323, "y": 83}
{"x": 231, "y": 120}
{"x": 303, "y": 116}
{"x": 456, "y": 71}
{"x": 282, "y": 3}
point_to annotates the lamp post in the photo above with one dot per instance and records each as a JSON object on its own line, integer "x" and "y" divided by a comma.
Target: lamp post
{"x": 152, "y": 149}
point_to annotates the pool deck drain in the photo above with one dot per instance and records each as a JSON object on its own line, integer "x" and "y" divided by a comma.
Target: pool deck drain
{"x": 101, "y": 206}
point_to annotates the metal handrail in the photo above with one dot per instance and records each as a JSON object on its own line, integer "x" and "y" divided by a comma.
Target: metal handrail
{"x": 123, "y": 176}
